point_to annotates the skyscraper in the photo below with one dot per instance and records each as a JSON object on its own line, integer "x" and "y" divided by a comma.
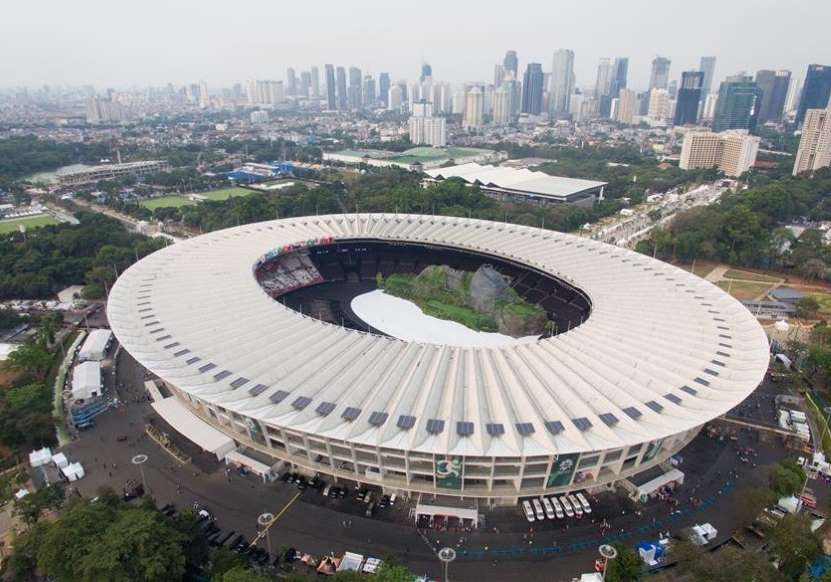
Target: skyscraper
{"x": 773, "y": 88}
{"x": 394, "y": 98}
{"x": 815, "y": 144}
{"x": 815, "y": 90}
{"x": 474, "y": 108}
{"x": 315, "y": 82}
{"x": 354, "y": 91}
{"x": 511, "y": 64}
{"x": 735, "y": 108}
{"x": 343, "y": 98}
{"x": 502, "y": 106}
{"x": 369, "y": 92}
{"x": 331, "y": 103}
{"x": 384, "y": 88}
{"x": 660, "y": 73}
{"x": 626, "y": 106}
{"x": 659, "y": 106}
{"x": 708, "y": 67}
{"x": 532, "y": 89}
{"x": 305, "y": 84}
{"x": 621, "y": 71}
{"x": 562, "y": 82}
{"x": 603, "y": 85}
{"x": 425, "y": 128}
{"x": 426, "y": 73}
{"x": 291, "y": 81}
{"x": 689, "y": 97}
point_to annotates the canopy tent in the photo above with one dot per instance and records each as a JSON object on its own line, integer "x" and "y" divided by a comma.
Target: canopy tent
{"x": 86, "y": 380}
{"x": 95, "y": 346}
{"x": 60, "y": 460}
{"x": 351, "y": 562}
{"x": 252, "y": 465}
{"x": 428, "y": 510}
{"x": 650, "y": 487}
{"x": 73, "y": 471}
{"x": 195, "y": 429}
{"x": 40, "y": 457}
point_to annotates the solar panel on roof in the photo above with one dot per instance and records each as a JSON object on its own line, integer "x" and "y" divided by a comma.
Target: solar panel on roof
{"x": 406, "y": 422}
{"x": 717, "y": 363}
{"x": 582, "y": 423}
{"x": 632, "y": 412}
{"x": 351, "y": 413}
{"x": 239, "y": 382}
{"x": 378, "y": 418}
{"x": 704, "y": 382}
{"x": 435, "y": 426}
{"x": 173, "y": 345}
{"x": 181, "y": 352}
{"x": 495, "y": 428}
{"x": 161, "y": 338}
{"x": 207, "y": 367}
{"x": 464, "y": 428}
{"x": 723, "y": 355}
{"x": 257, "y": 390}
{"x": 654, "y": 406}
{"x": 554, "y": 426}
{"x": 608, "y": 419}
{"x": 278, "y": 396}
{"x": 301, "y": 402}
{"x": 525, "y": 428}
{"x": 673, "y": 398}
{"x": 325, "y": 408}
{"x": 690, "y": 391}
{"x": 193, "y": 360}
{"x": 222, "y": 375}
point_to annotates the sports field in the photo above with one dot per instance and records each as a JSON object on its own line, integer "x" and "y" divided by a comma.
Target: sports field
{"x": 224, "y": 193}
{"x": 175, "y": 201}
{"x": 7, "y": 226}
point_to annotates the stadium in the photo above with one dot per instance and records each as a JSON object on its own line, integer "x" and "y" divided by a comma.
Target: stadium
{"x": 251, "y": 328}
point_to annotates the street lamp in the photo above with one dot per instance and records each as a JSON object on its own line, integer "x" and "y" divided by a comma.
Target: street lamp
{"x": 140, "y": 460}
{"x": 446, "y": 555}
{"x": 264, "y": 520}
{"x": 607, "y": 552}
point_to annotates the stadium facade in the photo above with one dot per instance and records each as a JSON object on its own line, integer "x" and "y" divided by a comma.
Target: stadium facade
{"x": 651, "y": 353}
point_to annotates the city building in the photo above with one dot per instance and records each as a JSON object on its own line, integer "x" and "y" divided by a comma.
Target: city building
{"x": 562, "y": 83}
{"x": 732, "y": 152}
{"x": 660, "y": 107}
{"x": 627, "y": 106}
{"x": 259, "y": 117}
{"x": 689, "y": 98}
{"x": 659, "y": 78}
{"x": 354, "y": 91}
{"x": 708, "y": 67}
{"x": 709, "y": 108}
{"x": 331, "y": 102}
{"x": 533, "y": 84}
{"x": 815, "y": 144}
{"x": 395, "y": 98}
{"x": 773, "y": 90}
{"x": 100, "y": 110}
{"x": 291, "y": 82}
{"x": 384, "y": 89}
{"x": 738, "y": 96}
{"x": 425, "y": 128}
{"x": 502, "y": 106}
{"x": 415, "y": 159}
{"x": 95, "y": 174}
{"x": 315, "y": 74}
{"x": 343, "y": 97}
{"x": 647, "y": 369}
{"x": 510, "y": 65}
{"x": 426, "y": 73}
{"x": 369, "y": 98}
{"x": 474, "y": 108}
{"x": 815, "y": 91}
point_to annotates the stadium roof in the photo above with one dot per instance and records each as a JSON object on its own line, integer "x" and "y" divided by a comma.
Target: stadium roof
{"x": 663, "y": 350}
{"x": 519, "y": 180}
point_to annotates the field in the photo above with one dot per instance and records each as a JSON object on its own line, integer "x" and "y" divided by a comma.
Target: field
{"x": 224, "y": 193}
{"x": 750, "y": 276}
{"x": 7, "y": 226}
{"x": 175, "y": 201}
{"x": 824, "y": 300}
{"x": 744, "y": 291}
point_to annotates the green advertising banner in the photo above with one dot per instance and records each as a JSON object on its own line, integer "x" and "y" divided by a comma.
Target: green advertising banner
{"x": 652, "y": 450}
{"x": 561, "y": 470}
{"x": 448, "y": 472}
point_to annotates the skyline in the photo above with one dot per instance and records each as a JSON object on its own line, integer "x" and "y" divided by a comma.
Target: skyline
{"x": 259, "y": 42}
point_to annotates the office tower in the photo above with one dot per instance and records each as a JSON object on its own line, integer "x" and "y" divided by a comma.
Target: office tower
{"x": 689, "y": 97}
{"x": 792, "y": 100}
{"x": 369, "y": 97}
{"x": 511, "y": 64}
{"x": 815, "y": 90}
{"x": 611, "y": 78}
{"x": 343, "y": 97}
{"x": 627, "y": 102}
{"x": 735, "y": 108}
{"x": 291, "y": 82}
{"x": 604, "y": 77}
{"x": 395, "y": 98}
{"x": 474, "y": 108}
{"x": 659, "y": 78}
{"x": 354, "y": 90}
{"x": 488, "y": 91}
{"x": 532, "y": 89}
{"x": 732, "y": 152}
{"x": 498, "y": 75}
{"x": 673, "y": 89}
{"x": 414, "y": 95}
{"x": 773, "y": 89}
{"x": 426, "y": 73}
{"x": 331, "y": 103}
{"x": 708, "y": 67}
{"x": 659, "y": 106}
{"x": 305, "y": 84}
{"x": 425, "y": 128}
{"x": 621, "y": 71}
{"x": 384, "y": 88}
{"x": 562, "y": 82}
{"x": 708, "y": 111}
{"x": 502, "y": 106}
{"x": 315, "y": 83}
{"x": 815, "y": 144}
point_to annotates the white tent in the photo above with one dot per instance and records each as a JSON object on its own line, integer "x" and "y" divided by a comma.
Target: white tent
{"x": 21, "y": 493}
{"x": 351, "y": 562}
{"x": 60, "y": 460}
{"x": 253, "y": 465}
{"x": 41, "y": 457}
{"x": 73, "y": 471}
{"x": 95, "y": 346}
{"x": 86, "y": 380}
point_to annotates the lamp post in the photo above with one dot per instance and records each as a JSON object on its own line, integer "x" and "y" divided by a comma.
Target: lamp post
{"x": 607, "y": 552}
{"x": 446, "y": 555}
{"x": 140, "y": 460}
{"x": 264, "y": 520}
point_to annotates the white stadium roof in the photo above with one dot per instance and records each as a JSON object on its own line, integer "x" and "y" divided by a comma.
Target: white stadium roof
{"x": 521, "y": 180}
{"x": 663, "y": 351}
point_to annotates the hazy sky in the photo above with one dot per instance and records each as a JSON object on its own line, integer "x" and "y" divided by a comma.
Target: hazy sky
{"x": 114, "y": 43}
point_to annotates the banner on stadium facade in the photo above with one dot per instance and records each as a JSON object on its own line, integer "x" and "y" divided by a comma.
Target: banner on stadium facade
{"x": 312, "y": 242}
{"x": 652, "y": 450}
{"x": 561, "y": 470}
{"x": 449, "y": 471}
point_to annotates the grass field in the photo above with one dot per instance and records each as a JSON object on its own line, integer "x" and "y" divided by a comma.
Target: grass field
{"x": 224, "y": 193}
{"x": 824, "y": 300}
{"x": 7, "y": 226}
{"x": 744, "y": 291}
{"x": 749, "y": 276}
{"x": 175, "y": 201}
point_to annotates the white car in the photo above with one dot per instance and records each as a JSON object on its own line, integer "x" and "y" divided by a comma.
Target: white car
{"x": 549, "y": 511}
{"x": 558, "y": 509}
{"x": 567, "y": 506}
{"x": 578, "y": 508}
{"x": 538, "y": 509}
{"x": 584, "y": 502}
{"x": 529, "y": 513}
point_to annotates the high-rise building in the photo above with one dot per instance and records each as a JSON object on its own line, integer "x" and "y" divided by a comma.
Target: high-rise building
{"x": 305, "y": 87}
{"x": 611, "y": 78}
{"x": 315, "y": 82}
{"x": 659, "y": 78}
{"x": 425, "y": 128}
{"x": 562, "y": 82}
{"x": 355, "y": 85}
{"x": 343, "y": 96}
{"x": 815, "y": 91}
{"x": 511, "y": 64}
{"x": 384, "y": 88}
{"x": 502, "y": 106}
{"x": 369, "y": 97}
{"x": 732, "y": 152}
{"x": 708, "y": 111}
{"x": 291, "y": 82}
{"x": 395, "y": 98}
{"x": 815, "y": 144}
{"x": 659, "y": 106}
{"x": 331, "y": 103}
{"x": 689, "y": 97}
{"x": 735, "y": 108}
{"x": 426, "y": 73}
{"x": 773, "y": 90}
{"x": 627, "y": 106}
{"x": 498, "y": 75}
{"x": 532, "y": 89}
{"x": 474, "y": 108}
{"x": 708, "y": 67}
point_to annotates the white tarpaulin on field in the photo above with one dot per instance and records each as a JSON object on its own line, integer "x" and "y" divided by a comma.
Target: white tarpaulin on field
{"x": 194, "y": 428}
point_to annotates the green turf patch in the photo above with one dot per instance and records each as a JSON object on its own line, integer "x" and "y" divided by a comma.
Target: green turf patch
{"x": 13, "y": 225}
{"x": 824, "y": 301}
{"x": 750, "y": 276}
{"x": 224, "y": 193}
{"x": 175, "y": 201}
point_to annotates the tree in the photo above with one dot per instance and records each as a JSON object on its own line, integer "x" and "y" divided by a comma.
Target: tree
{"x": 243, "y": 574}
{"x": 807, "y": 307}
{"x": 627, "y": 567}
{"x": 30, "y": 507}
{"x": 32, "y": 359}
{"x": 751, "y": 502}
{"x": 726, "y": 564}
{"x": 787, "y": 478}
{"x": 793, "y": 542}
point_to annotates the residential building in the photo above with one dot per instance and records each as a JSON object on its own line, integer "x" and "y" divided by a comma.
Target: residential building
{"x": 425, "y": 129}
{"x": 394, "y": 98}
{"x": 659, "y": 78}
{"x": 532, "y": 89}
{"x": 474, "y": 108}
{"x": 627, "y": 106}
{"x": 736, "y": 105}
{"x": 689, "y": 98}
{"x": 732, "y": 152}
{"x": 659, "y": 106}
{"x": 815, "y": 91}
{"x": 815, "y": 144}
{"x": 562, "y": 83}
{"x": 773, "y": 90}
{"x": 502, "y": 106}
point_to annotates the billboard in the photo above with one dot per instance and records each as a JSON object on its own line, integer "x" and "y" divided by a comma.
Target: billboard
{"x": 561, "y": 470}
{"x": 449, "y": 471}
{"x": 652, "y": 450}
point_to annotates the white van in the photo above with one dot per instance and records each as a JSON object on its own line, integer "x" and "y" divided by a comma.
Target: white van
{"x": 566, "y": 506}
{"x": 538, "y": 509}
{"x": 549, "y": 511}
{"x": 584, "y": 502}
{"x": 578, "y": 508}
{"x": 529, "y": 513}
{"x": 558, "y": 509}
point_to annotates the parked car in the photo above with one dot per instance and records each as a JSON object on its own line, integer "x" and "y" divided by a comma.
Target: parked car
{"x": 566, "y": 506}
{"x": 529, "y": 512}
{"x": 549, "y": 509}
{"x": 584, "y": 502}
{"x": 538, "y": 512}
{"x": 576, "y": 505}
{"x": 558, "y": 509}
